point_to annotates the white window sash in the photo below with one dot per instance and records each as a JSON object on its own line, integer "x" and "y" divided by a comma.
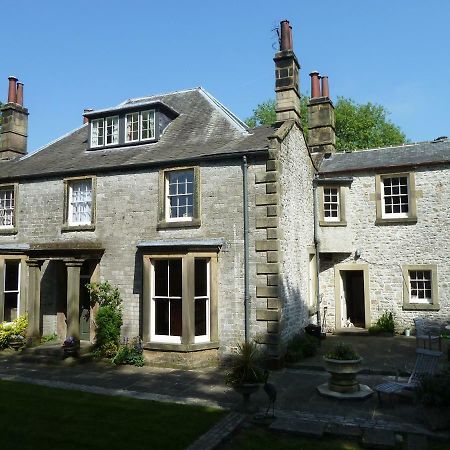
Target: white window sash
{"x": 338, "y": 203}
{"x": 15, "y": 291}
{"x": 393, "y": 215}
{"x": 168, "y": 196}
{"x": 416, "y": 298}
{"x": 7, "y": 205}
{"x": 206, "y": 337}
{"x": 137, "y": 122}
{"x": 80, "y": 202}
{"x": 96, "y": 125}
{"x": 113, "y": 123}
{"x": 151, "y": 120}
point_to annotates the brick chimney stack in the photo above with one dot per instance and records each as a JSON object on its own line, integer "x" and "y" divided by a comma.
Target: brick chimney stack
{"x": 14, "y": 130}
{"x": 287, "y": 103}
{"x": 321, "y": 120}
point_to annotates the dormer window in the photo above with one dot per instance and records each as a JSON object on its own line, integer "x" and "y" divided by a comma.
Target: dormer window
{"x": 147, "y": 125}
{"x": 100, "y": 136}
{"x": 132, "y": 127}
{"x": 140, "y": 126}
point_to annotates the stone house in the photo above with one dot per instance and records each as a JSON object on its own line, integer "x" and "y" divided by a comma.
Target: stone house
{"x": 214, "y": 232}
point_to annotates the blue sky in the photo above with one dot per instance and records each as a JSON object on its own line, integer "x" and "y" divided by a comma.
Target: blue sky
{"x": 94, "y": 54}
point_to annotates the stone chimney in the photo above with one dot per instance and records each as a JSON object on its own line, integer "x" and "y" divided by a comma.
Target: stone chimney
{"x": 14, "y": 129}
{"x": 287, "y": 103}
{"x": 321, "y": 121}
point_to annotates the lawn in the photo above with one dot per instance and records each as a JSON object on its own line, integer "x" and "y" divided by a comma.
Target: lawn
{"x": 257, "y": 438}
{"x": 35, "y": 417}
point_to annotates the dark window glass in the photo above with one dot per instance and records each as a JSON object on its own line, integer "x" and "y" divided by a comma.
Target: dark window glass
{"x": 176, "y": 311}
{"x": 162, "y": 316}
{"x": 161, "y": 275}
{"x": 12, "y": 275}
{"x": 201, "y": 285}
{"x": 200, "y": 316}
{"x": 175, "y": 286}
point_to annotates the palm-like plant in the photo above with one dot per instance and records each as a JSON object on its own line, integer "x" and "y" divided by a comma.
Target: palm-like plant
{"x": 245, "y": 365}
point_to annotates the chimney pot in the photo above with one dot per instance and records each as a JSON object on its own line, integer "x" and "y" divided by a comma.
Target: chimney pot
{"x": 286, "y": 36}
{"x": 19, "y": 99}
{"x": 325, "y": 87}
{"x": 12, "y": 90}
{"x": 315, "y": 84}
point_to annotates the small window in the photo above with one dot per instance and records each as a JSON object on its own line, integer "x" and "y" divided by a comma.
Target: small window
{"x": 395, "y": 198}
{"x": 180, "y": 195}
{"x": 331, "y": 207}
{"x": 79, "y": 203}
{"x": 112, "y": 130}
{"x": 132, "y": 127}
{"x": 97, "y": 133}
{"x": 147, "y": 125}
{"x": 420, "y": 287}
{"x": 11, "y": 290}
{"x": 7, "y": 207}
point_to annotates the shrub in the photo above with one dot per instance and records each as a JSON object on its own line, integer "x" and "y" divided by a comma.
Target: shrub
{"x": 130, "y": 353}
{"x": 385, "y": 324}
{"x": 49, "y": 338}
{"x": 108, "y": 318}
{"x": 17, "y": 329}
{"x": 342, "y": 352}
{"x": 245, "y": 365}
{"x": 301, "y": 346}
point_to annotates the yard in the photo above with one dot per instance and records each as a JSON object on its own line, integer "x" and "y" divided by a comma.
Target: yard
{"x": 35, "y": 417}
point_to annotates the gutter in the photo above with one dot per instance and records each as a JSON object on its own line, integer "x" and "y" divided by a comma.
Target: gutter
{"x": 246, "y": 249}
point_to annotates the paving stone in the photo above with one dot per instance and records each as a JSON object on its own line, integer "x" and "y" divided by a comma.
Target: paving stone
{"x": 307, "y": 428}
{"x": 376, "y": 438}
{"x": 416, "y": 442}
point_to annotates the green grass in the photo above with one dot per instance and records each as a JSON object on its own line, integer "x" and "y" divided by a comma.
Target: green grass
{"x": 35, "y": 417}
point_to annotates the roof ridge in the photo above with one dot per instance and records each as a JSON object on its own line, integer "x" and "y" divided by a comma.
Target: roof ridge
{"x": 136, "y": 99}
{"x": 406, "y": 144}
{"x": 53, "y": 142}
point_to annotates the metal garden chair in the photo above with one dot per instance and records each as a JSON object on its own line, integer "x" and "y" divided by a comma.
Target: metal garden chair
{"x": 427, "y": 363}
{"x": 428, "y": 335}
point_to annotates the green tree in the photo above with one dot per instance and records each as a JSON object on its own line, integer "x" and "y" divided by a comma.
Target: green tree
{"x": 1, "y": 117}
{"x": 357, "y": 125}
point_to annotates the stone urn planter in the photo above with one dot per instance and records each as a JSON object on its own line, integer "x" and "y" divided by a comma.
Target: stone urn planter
{"x": 343, "y": 374}
{"x": 71, "y": 347}
{"x": 16, "y": 342}
{"x": 343, "y": 365}
{"x": 246, "y": 390}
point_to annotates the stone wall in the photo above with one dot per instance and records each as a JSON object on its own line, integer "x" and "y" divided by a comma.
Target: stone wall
{"x": 386, "y": 248}
{"x": 127, "y": 212}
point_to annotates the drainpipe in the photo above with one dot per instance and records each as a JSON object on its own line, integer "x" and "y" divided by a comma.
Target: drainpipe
{"x": 317, "y": 249}
{"x": 246, "y": 252}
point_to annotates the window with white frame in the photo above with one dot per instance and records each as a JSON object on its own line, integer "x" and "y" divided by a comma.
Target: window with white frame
{"x": 331, "y": 207}
{"x": 147, "y": 125}
{"x": 179, "y": 195}
{"x": 7, "y": 207}
{"x": 79, "y": 202}
{"x": 97, "y": 133}
{"x": 420, "y": 286}
{"x": 202, "y": 297}
{"x": 167, "y": 309}
{"x": 395, "y": 196}
{"x": 112, "y": 130}
{"x": 132, "y": 127}
{"x": 11, "y": 289}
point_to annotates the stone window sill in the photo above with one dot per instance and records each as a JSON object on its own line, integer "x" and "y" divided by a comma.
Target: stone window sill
{"x": 397, "y": 221}
{"x": 323, "y": 223}
{"x": 68, "y": 228}
{"x": 4, "y": 231}
{"x": 163, "y": 225}
{"x": 420, "y": 307}
{"x": 181, "y": 347}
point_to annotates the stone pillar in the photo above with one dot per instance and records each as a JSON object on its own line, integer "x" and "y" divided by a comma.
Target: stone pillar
{"x": 73, "y": 297}
{"x": 188, "y": 332}
{"x": 34, "y": 299}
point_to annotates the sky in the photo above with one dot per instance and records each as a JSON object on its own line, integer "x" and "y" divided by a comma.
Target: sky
{"x": 95, "y": 54}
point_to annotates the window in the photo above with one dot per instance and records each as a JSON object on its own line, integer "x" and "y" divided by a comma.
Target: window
{"x": 420, "y": 287}
{"x": 395, "y": 198}
{"x": 7, "y": 207}
{"x": 11, "y": 289}
{"x": 179, "y": 204}
{"x": 177, "y": 292}
{"x": 105, "y": 131}
{"x": 180, "y": 195}
{"x": 132, "y": 127}
{"x": 147, "y": 125}
{"x": 331, "y": 205}
{"x": 80, "y": 202}
{"x": 97, "y": 133}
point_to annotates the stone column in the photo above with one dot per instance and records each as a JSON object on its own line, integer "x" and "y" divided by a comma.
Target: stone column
{"x": 34, "y": 299}
{"x": 188, "y": 333}
{"x": 73, "y": 297}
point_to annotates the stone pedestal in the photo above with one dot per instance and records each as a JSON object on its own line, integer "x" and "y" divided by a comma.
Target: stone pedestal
{"x": 73, "y": 297}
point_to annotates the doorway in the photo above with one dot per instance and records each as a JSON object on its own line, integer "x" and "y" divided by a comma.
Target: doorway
{"x": 352, "y": 296}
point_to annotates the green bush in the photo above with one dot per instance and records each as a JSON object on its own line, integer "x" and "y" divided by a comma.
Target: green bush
{"x": 49, "y": 338}
{"x": 301, "y": 346}
{"x": 108, "y": 318}
{"x": 343, "y": 352}
{"x": 130, "y": 353}
{"x": 385, "y": 324}
{"x": 245, "y": 365}
{"x": 17, "y": 329}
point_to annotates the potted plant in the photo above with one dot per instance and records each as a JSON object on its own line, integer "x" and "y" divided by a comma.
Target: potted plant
{"x": 16, "y": 341}
{"x": 71, "y": 346}
{"x": 343, "y": 363}
{"x": 245, "y": 374}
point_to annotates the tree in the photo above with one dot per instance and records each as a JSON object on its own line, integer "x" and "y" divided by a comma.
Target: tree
{"x": 357, "y": 125}
{"x": 1, "y": 116}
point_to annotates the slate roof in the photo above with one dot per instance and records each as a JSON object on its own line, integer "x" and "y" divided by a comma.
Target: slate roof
{"x": 203, "y": 129}
{"x": 418, "y": 154}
